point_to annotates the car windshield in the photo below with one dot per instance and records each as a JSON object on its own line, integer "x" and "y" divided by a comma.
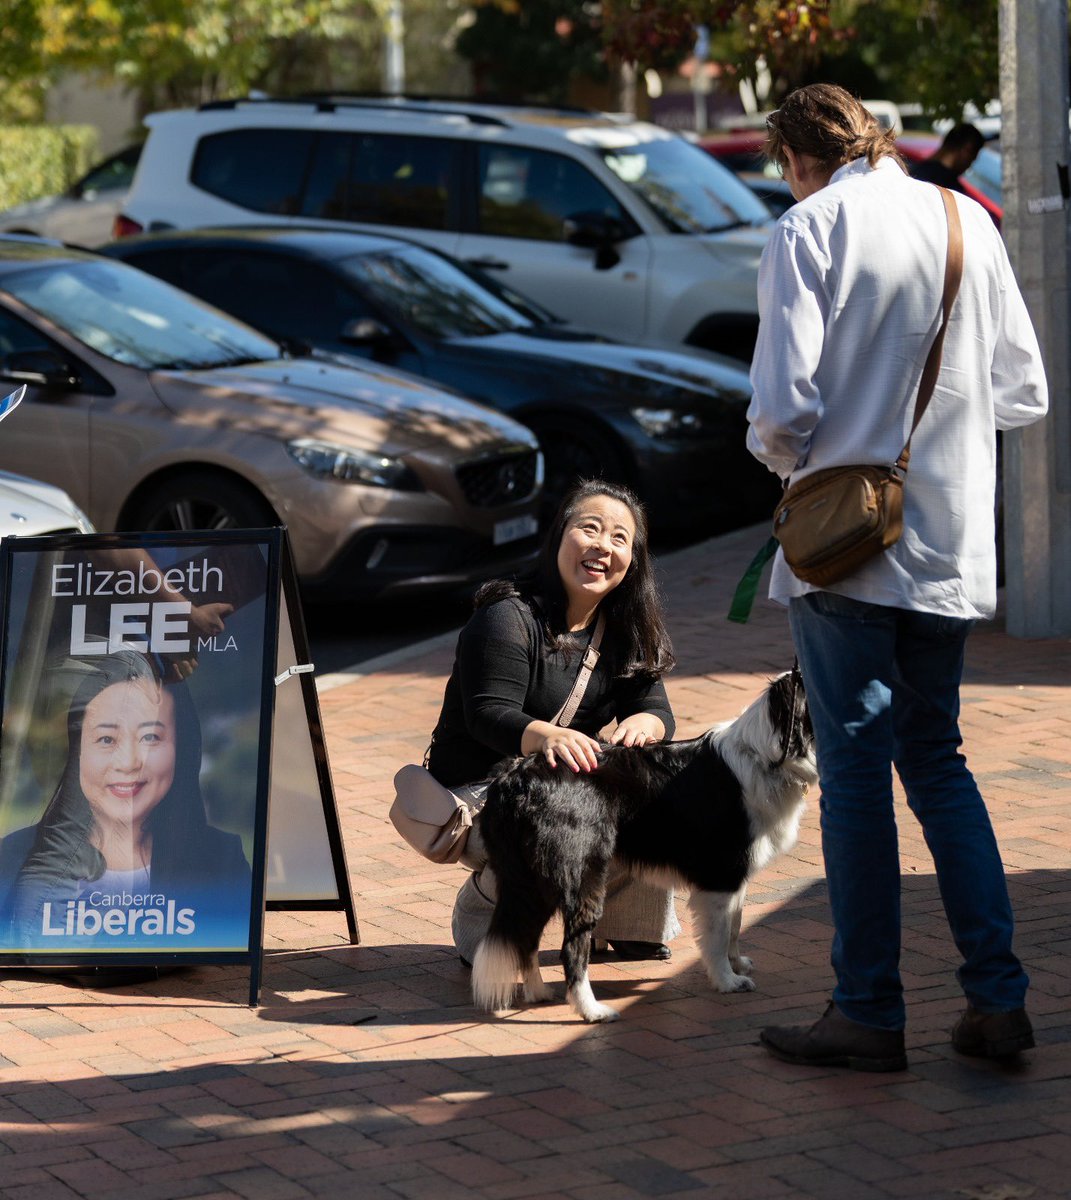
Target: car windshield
{"x": 435, "y": 297}
{"x": 115, "y": 172}
{"x": 685, "y": 186}
{"x": 133, "y": 318}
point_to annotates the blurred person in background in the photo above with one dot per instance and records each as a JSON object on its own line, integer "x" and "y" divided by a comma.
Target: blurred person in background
{"x": 955, "y": 155}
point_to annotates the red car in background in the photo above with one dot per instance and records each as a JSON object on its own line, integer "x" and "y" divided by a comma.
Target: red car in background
{"x": 741, "y": 151}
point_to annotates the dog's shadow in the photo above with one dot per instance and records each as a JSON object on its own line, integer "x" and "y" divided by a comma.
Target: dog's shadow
{"x": 421, "y": 984}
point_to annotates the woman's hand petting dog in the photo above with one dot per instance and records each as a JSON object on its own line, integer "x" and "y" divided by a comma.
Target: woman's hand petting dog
{"x": 580, "y": 752}
{"x": 638, "y": 730}
{"x": 575, "y": 749}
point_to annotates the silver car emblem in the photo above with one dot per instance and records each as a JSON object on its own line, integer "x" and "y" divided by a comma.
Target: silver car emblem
{"x": 507, "y": 477}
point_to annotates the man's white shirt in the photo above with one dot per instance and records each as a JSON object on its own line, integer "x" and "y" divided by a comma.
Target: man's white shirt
{"x": 850, "y": 290}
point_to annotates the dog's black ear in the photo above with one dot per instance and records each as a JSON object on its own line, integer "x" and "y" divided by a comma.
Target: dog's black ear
{"x": 803, "y": 716}
{"x": 787, "y": 707}
{"x": 781, "y": 703}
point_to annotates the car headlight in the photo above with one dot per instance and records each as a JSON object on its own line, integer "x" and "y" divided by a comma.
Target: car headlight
{"x": 669, "y": 422}
{"x": 347, "y": 465}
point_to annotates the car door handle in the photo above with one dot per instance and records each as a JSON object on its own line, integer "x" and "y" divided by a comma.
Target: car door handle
{"x": 488, "y": 264}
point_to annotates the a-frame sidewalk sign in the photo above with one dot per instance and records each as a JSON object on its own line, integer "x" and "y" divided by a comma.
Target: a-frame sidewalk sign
{"x": 163, "y": 771}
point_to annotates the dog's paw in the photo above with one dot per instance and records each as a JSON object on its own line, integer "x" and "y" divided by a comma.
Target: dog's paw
{"x": 734, "y": 983}
{"x": 600, "y": 1013}
{"x": 586, "y": 1006}
{"x": 740, "y": 963}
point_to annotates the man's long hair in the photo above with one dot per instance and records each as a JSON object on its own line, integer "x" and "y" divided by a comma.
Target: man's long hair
{"x": 829, "y": 124}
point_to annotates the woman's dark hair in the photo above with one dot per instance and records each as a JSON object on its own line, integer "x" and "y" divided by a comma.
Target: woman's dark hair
{"x": 633, "y": 611}
{"x": 62, "y": 848}
{"x": 830, "y": 125}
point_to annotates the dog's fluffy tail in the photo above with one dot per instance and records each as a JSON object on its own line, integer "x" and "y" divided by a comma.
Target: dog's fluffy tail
{"x": 495, "y": 972}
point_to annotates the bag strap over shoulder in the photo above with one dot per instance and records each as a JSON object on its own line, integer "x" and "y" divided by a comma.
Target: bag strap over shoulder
{"x": 953, "y": 275}
{"x": 591, "y": 658}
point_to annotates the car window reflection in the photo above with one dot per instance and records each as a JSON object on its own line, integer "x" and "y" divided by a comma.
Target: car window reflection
{"x": 135, "y": 319}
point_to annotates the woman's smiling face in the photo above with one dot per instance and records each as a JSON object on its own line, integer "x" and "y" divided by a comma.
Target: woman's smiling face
{"x": 595, "y": 552}
{"x": 127, "y": 757}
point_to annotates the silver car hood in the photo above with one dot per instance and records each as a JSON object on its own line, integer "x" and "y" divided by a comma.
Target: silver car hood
{"x": 31, "y": 208}
{"x": 29, "y": 507}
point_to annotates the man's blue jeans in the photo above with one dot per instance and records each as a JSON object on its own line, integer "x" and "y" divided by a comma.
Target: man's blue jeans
{"x": 883, "y": 689}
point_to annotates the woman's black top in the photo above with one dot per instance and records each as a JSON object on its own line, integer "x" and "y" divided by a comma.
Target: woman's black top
{"x": 505, "y": 677}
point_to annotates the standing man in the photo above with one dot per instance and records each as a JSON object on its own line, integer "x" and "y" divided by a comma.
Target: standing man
{"x": 850, "y": 290}
{"x": 954, "y": 156}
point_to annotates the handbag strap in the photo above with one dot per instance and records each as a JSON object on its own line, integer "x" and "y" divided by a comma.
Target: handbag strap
{"x": 953, "y": 274}
{"x": 591, "y": 658}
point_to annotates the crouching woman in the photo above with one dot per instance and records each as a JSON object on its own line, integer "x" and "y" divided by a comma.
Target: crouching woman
{"x": 517, "y": 661}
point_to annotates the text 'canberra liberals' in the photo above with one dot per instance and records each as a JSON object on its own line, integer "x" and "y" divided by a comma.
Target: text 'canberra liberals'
{"x": 84, "y": 579}
{"x": 78, "y": 918}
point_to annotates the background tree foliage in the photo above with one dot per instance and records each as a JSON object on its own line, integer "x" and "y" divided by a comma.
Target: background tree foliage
{"x": 786, "y": 37}
{"x": 940, "y": 54}
{"x": 186, "y": 51}
{"x": 532, "y": 49}
{"x": 174, "y": 51}
{"x": 180, "y": 52}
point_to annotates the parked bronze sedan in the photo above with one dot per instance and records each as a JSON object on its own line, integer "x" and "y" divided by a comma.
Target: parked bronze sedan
{"x": 155, "y": 411}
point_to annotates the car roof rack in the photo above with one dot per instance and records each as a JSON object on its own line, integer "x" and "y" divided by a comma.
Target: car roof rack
{"x": 332, "y": 103}
{"x": 444, "y": 105}
{"x": 485, "y": 101}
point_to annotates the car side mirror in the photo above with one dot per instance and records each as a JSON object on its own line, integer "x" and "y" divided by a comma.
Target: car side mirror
{"x": 367, "y": 331}
{"x": 39, "y": 368}
{"x": 598, "y": 232}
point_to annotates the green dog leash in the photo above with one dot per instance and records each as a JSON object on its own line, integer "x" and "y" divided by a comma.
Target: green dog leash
{"x": 747, "y": 588}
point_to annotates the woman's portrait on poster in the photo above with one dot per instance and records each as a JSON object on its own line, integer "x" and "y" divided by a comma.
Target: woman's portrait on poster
{"x": 124, "y": 856}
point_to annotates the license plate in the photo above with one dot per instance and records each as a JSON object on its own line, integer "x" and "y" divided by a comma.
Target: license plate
{"x": 514, "y": 528}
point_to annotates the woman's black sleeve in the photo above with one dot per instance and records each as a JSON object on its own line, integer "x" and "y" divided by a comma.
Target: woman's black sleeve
{"x": 495, "y": 654}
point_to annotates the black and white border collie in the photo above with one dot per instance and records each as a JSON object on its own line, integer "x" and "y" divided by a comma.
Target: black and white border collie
{"x": 703, "y": 814}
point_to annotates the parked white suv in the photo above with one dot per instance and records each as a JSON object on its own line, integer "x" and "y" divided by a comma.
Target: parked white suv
{"x": 616, "y": 225}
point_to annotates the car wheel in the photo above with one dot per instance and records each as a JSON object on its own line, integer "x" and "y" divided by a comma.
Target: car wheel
{"x": 201, "y": 500}
{"x": 573, "y": 451}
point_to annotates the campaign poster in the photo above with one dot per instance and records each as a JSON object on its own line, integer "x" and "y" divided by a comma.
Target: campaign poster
{"x": 137, "y": 677}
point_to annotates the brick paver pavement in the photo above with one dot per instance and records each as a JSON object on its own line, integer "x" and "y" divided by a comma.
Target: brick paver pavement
{"x": 367, "y": 1072}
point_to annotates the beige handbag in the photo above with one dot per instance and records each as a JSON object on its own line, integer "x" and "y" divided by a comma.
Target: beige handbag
{"x": 431, "y": 818}
{"x": 832, "y": 522}
{"x": 436, "y": 821}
